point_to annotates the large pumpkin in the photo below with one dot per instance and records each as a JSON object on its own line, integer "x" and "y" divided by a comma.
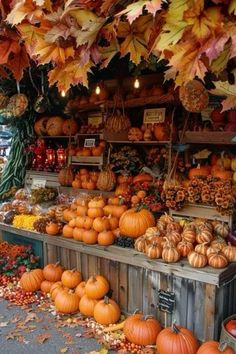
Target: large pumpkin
{"x": 70, "y": 127}
{"x": 106, "y": 311}
{"x": 31, "y": 281}
{"x": 134, "y": 223}
{"x": 106, "y": 180}
{"x": 53, "y": 272}
{"x": 96, "y": 287}
{"x": 199, "y": 171}
{"x": 67, "y": 301}
{"x": 176, "y": 339}
{"x": 54, "y": 126}
{"x": 66, "y": 176}
{"x": 213, "y": 347}
{"x": 194, "y": 96}
{"x": 40, "y": 126}
{"x": 142, "y": 330}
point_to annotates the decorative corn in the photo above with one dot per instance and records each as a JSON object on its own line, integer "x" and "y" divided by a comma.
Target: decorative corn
{"x": 24, "y": 221}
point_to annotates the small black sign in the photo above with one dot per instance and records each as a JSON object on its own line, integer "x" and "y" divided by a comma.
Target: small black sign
{"x": 166, "y": 301}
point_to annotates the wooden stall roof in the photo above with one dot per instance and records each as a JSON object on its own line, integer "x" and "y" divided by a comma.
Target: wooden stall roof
{"x": 182, "y": 269}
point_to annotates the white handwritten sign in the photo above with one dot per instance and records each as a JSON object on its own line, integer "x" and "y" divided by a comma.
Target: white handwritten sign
{"x": 154, "y": 115}
{"x": 38, "y": 183}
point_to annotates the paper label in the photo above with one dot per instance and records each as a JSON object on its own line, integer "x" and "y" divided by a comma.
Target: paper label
{"x": 89, "y": 142}
{"x": 38, "y": 183}
{"x": 155, "y": 115}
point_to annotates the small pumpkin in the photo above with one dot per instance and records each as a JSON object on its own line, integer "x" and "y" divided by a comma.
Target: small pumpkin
{"x": 134, "y": 223}
{"x": 101, "y": 224}
{"x": 199, "y": 171}
{"x": 202, "y": 248}
{"x": 176, "y": 339}
{"x": 78, "y": 234}
{"x": 230, "y": 252}
{"x": 106, "y": 180}
{"x": 221, "y": 229}
{"x": 90, "y": 237}
{"x": 66, "y": 176}
{"x": 135, "y": 134}
{"x": 40, "y": 126}
{"x": 46, "y": 286}
{"x": 213, "y": 347}
{"x": 67, "y": 231}
{"x": 18, "y": 104}
{"x": 56, "y": 288}
{"x": 153, "y": 250}
{"x": 121, "y": 189}
{"x": 67, "y": 302}
{"x": 87, "y": 305}
{"x": 97, "y": 202}
{"x": 142, "y": 330}
{"x": 197, "y": 260}
{"x": 70, "y": 127}
{"x": 106, "y": 312}
{"x": 204, "y": 235}
{"x": 71, "y": 278}
{"x": 184, "y": 248}
{"x": 53, "y": 272}
{"x": 80, "y": 289}
{"x": 217, "y": 260}
{"x": 106, "y": 238}
{"x": 54, "y": 126}
{"x": 95, "y": 212}
{"x": 53, "y": 228}
{"x": 170, "y": 254}
{"x": 96, "y": 287}
{"x": 162, "y": 131}
{"x": 31, "y": 281}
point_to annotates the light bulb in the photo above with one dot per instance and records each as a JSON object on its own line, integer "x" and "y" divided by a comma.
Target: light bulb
{"x": 136, "y": 83}
{"x": 97, "y": 90}
{"x": 63, "y": 93}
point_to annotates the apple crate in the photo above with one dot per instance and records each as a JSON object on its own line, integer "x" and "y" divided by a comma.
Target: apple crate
{"x": 225, "y": 336}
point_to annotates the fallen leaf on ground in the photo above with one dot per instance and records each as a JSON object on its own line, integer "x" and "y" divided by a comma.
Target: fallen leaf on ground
{"x": 78, "y": 335}
{"x": 41, "y": 338}
{"x": 22, "y": 339}
{"x": 3, "y": 324}
{"x": 31, "y": 317}
{"x": 64, "y": 350}
{"x": 15, "y": 319}
{"x": 101, "y": 351}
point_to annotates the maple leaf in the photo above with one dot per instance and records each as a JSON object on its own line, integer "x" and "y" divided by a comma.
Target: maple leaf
{"x": 24, "y": 9}
{"x": 107, "y": 5}
{"x": 30, "y": 34}
{"x": 203, "y": 22}
{"x": 133, "y": 11}
{"x": 52, "y": 52}
{"x": 41, "y": 338}
{"x": 89, "y": 32}
{"x": 227, "y": 90}
{"x": 232, "y": 7}
{"x": 215, "y": 45}
{"x": 108, "y": 53}
{"x": 8, "y": 46}
{"x": 134, "y": 42}
{"x": 18, "y": 63}
{"x": 220, "y": 63}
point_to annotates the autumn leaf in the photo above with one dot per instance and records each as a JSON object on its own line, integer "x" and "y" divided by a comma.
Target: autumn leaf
{"x": 24, "y": 9}
{"x": 41, "y": 338}
{"x": 7, "y": 47}
{"x": 220, "y": 63}
{"x": 101, "y": 351}
{"x": 52, "y": 52}
{"x": 108, "y": 53}
{"x": 64, "y": 350}
{"x": 89, "y": 32}
{"x": 18, "y": 63}
{"x": 232, "y": 7}
{"x": 134, "y": 42}
{"x": 133, "y": 11}
{"x": 107, "y": 5}
{"x": 3, "y": 324}
{"x": 31, "y": 35}
{"x": 215, "y": 45}
{"x": 227, "y": 90}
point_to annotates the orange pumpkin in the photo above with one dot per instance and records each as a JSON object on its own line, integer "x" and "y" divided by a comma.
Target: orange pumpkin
{"x": 101, "y": 224}
{"x": 135, "y": 223}
{"x": 97, "y": 151}
{"x": 54, "y": 126}
{"x": 67, "y": 231}
{"x": 78, "y": 234}
{"x": 95, "y": 212}
{"x": 80, "y": 289}
{"x": 46, "y": 286}
{"x": 106, "y": 238}
{"x": 70, "y": 127}
{"x": 142, "y": 178}
{"x": 86, "y": 305}
{"x": 52, "y": 228}
{"x": 199, "y": 171}
{"x": 90, "y": 237}
{"x": 121, "y": 189}
{"x": 162, "y": 131}
{"x": 40, "y": 126}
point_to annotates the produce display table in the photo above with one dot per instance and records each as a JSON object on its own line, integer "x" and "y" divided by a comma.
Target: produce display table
{"x": 203, "y": 297}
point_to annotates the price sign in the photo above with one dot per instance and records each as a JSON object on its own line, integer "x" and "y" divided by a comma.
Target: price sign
{"x": 155, "y": 115}
{"x": 38, "y": 183}
{"x": 166, "y": 301}
{"x": 89, "y": 142}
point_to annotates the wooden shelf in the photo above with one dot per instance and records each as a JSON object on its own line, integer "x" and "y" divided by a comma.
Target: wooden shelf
{"x": 87, "y": 160}
{"x": 138, "y": 142}
{"x": 225, "y": 138}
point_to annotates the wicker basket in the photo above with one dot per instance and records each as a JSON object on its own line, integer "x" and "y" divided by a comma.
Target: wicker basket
{"x": 225, "y": 336}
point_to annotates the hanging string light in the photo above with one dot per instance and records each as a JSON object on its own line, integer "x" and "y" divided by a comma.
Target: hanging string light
{"x": 97, "y": 90}
{"x": 63, "y": 93}
{"x": 136, "y": 83}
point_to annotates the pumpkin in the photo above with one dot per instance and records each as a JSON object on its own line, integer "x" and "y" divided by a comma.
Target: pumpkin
{"x": 170, "y": 254}
{"x": 204, "y": 235}
{"x": 54, "y": 126}
{"x": 31, "y": 281}
{"x": 86, "y": 305}
{"x": 106, "y": 180}
{"x": 53, "y": 228}
{"x": 142, "y": 330}
{"x": 97, "y": 151}
{"x": 224, "y": 161}
{"x": 144, "y": 177}
{"x": 18, "y": 104}
{"x": 121, "y": 189}
{"x": 115, "y": 210}
{"x": 230, "y": 252}
{"x": 96, "y": 287}
{"x": 67, "y": 231}
{"x": 135, "y": 134}
{"x": 176, "y": 339}
{"x": 184, "y": 248}
{"x": 101, "y": 224}
{"x": 56, "y": 288}
{"x": 97, "y": 202}
{"x": 153, "y": 250}
{"x": 46, "y": 286}
{"x": 198, "y": 171}
{"x": 174, "y": 236}
{"x": 140, "y": 244}
{"x": 221, "y": 229}
{"x": 213, "y": 347}
{"x": 67, "y": 302}
{"x": 95, "y": 212}
{"x": 134, "y": 223}
{"x": 221, "y": 173}
{"x": 202, "y": 248}
{"x": 81, "y": 210}
{"x": 66, "y": 176}
{"x": 162, "y": 131}
{"x": 69, "y": 214}
{"x": 90, "y": 237}
{"x": 106, "y": 238}
{"x": 153, "y": 231}
{"x": 219, "y": 242}
{"x": 113, "y": 221}
{"x": 53, "y": 272}
{"x": 194, "y": 96}
{"x": 197, "y": 260}
{"x": 166, "y": 218}
{"x": 106, "y": 311}
{"x": 40, "y": 126}
{"x": 147, "y": 135}
{"x": 78, "y": 234}
{"x": 217, "y": 260}
{"x": 80, "y": 289}
{"x": 71, "y": 278}
{"x": 125, "y": 179}
{"x": 70, "y": 127}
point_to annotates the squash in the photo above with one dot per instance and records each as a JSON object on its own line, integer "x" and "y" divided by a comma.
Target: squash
{"x": 40, "y": 126}
{"x": 199, "y": 171}
{"x": 135, "y": 134}
{"x": 194, "y": 96}
{"x": 134, "y": 223}
{"x": 106, "y": 180}
{"x": 54, "y": 126}
{"x": 66, "y": 176}
{"x": 70, "y": 127}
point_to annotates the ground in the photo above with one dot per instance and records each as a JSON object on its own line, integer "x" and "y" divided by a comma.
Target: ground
{"x": 30, "y": 330}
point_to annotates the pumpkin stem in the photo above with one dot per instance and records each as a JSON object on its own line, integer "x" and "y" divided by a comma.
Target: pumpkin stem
{"x": 136, "y": 311}
{"x": 57, "y": 264}
{"x": 175, "y": 328}
{"x": 106, "y": 300}
{"x": 146, "y": 317}
{"x": 222, "y": 346}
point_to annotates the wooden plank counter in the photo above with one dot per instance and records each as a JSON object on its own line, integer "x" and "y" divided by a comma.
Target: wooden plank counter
{"x": 204, "y": 297}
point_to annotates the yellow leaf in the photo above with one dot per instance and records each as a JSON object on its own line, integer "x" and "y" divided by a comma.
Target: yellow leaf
{"x": 220, "y": 63}
{"x": 108, "y": 53}
{"x": 30, "y": 34}
{"x": 223, "y": 88}
{"x": 101, "y": 351}
{"x": 64, "y": 350}
{"x": 23, "y": 9}
{"x": 51, "y": 52}
{"x": 232, "y": 7}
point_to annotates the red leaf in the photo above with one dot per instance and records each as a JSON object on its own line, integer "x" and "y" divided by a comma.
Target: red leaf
{"x": 18, "y": 64}
{"x": 7, "y": 47}
{"x": 41, "y": 338}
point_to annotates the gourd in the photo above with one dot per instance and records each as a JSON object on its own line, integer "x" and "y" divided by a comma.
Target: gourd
{"x": 141, "y": 330}
{"x": 153, "y": 250}
{"x": 194, "y": 96}
{"x": 67, "y": 301}
{"x": 106, "y": 180}
{"x": 217, "y": 260}
{"x": 170, "y": 254}
{"x": 54, "y": 126}
{"x": 135, "y": 134}
{"x": 197, "y": 260}
{"x": 106, "y": 311}
{"x": 66, "y": 176}
{"x": 176, "y": 339}
{"x": 134, "y": 223}
{"x": 40, "y": 126}
{"x": 96, "y": 287}
{"x": 18, "y": 104}
{"x": 106, "y": 238}
{"x": 230, "y": 252}
{"x": 53, "y": 272}
{"x": 31, "y": 281}
{"x": 184, "y": 248}
{"x": 71, "y": 278}
{"x": 117, "y": 122}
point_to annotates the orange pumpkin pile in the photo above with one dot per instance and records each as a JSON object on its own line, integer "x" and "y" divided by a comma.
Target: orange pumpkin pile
{"x": 202, "y": 241}
{"x": 93, "y": 221}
